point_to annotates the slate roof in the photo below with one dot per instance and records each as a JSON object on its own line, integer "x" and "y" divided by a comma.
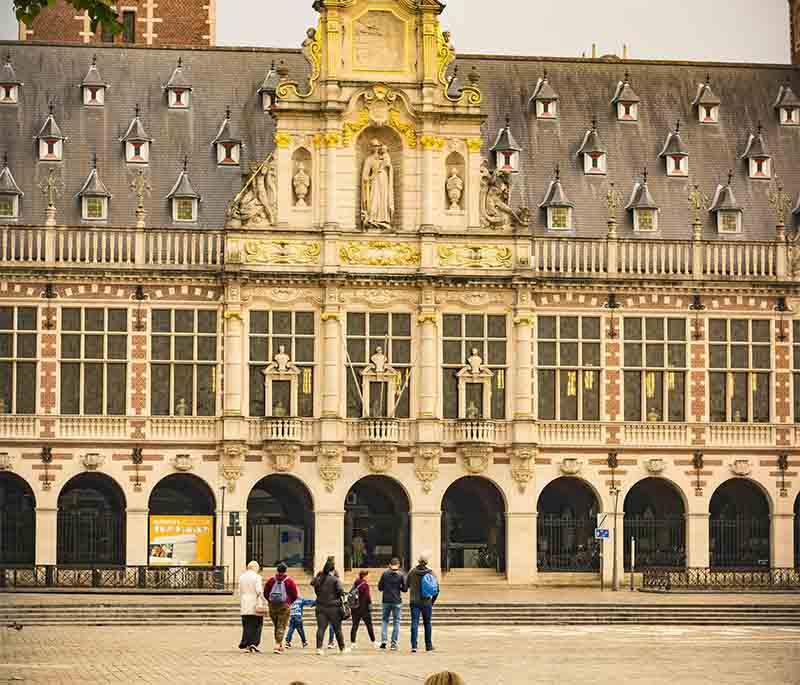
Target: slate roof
{"x": 136, "y": 130}
{"x": 8, "y": 186}
{"x": 641, "y": 197}
{"x": 233, "y": 76}
{"x": 706, "y": 96}
{"x": 625, "y": 92}
{"x": 93, "y": 186}
{"x": 92, "y": 77}
{"x": 724, "y": 198}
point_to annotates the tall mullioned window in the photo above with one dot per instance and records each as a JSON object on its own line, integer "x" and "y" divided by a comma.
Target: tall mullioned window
{"x": 18, "y": 360}
{"x": 294, "y": 332}
{"x": 366, "y": 332}
{"x": 655, "y": 361}
{"x": 461, "y": 334}
{"x": 568, "y": 368}
{"x": 796, "y": 367}
{"x": 740, "y": 363}
{"x": 94, "y": 361}
{"x": 183, "y": 362}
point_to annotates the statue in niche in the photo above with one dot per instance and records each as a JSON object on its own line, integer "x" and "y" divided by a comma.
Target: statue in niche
{"x": 377, "y": 188}
{"x": 455, "y": 190}
{"x": 282, "y": 359}
{"x": 256, "y": 205}
{"x": 301, "y": 183}
{"x": 494, "y": 199}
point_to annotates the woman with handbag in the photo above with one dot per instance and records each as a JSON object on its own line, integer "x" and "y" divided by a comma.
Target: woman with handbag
{"x": 331, "y": 608}
{"x": 252, "y": 606}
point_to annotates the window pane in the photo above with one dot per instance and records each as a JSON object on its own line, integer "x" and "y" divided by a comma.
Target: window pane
{"x": 26, "y": 388}
{"x": 633, "y": 396}
{"x": 71, "y": 346}
{"x": 26, "y": 318}
{"x": 568, "y": 354}
{"x": 70, "y": 319}
{"x": 70, "y": 388}
{"x": 677, "y": 356}
{"x": 719, "y": 357}
{"x": 676, "y": 395}
{"x": 452, "y": 352}
{"x": 160, "y": 389}
{"x": 401, "y": 351}
{"x": 256, "y": 390}
{"x": 93, "y": 347}
{"x": 184, "y": 389}
{"x": 546, "y": 326}
{"x": 739, "y": 357}
{"x": 591, "y": 395}
{"x": 568, "y": 327}
{"x": 474, "y": 400}
{"x": 118, "y": 320}
{"x": 450, "y": 394}
{"x": 451, "y": 325}
{"x": 474, "y": 323}
{"x": 184, "y": 321}
{"x": 6, "y": 386}
{"x": 797, "y": 357}
{"x": 739, "y": 398}
{"x": 761, "y": 398}
{"x": 497, "y": 352}
{"x": 303, "y": 350}
{"x": 547, "y": 395}
{"x": 739, "y": 330}
{"x": 116, "y": 390}
{"x": 378, "y": 399}
{"x": 184, "y": 347}
{"x": 633, "y": 354}
{"x": 282, "y": 323}
{"x": 161, "y": 321}
{"x": 160, "y": 347}
{"x": 379, "y": 324}
{"x": 547, "y": 354}
{"x": 591, "y": 327}
{"x": 654, "y": 395}
{"x": 717, "y": 330}
{"x": 258, "y": 322}
{"x": 357, "y": 349}
{"x": 207, "y": 348}
{"x": 761, "y": 331}
{"x": 26, "y": 345}
{"x": 281, "y": 398}
{"x": 304, "y": 323}
{"x": 761, "y": 356}
{"x": 591, "y": 354}
{"x": 117, "y": 346}
{"x": 258, "y": 349}
{"x": 206, "y": 321}
{"x": 676, "y": 329}
{"x": 654, "y": 329}
{"x": 305, "y": 402}
{"x": 401, "y": 325}
{"x": 655, "y": 355}
{"x": 568, "y": 390}
{"x": 353, "y": 394}
{"x": 356, "y": 323}
{"x": 94, "y": 319}
{"x": 797, "y": 398}
{"x": 6, "y": 345}
{"x": 497, "y": 326}
{"x": 633, "y": 329}
{"x": 718, "y": 397}
{"x": 403, "y": 400}
{"x": 6, "y": 318}
{"x": 93, "y": 389}
{"x": 498, "y": 402}
{"x": 206, "y": 391}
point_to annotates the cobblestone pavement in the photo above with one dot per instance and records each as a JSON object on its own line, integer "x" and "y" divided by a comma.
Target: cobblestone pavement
{"x": 505, "y": 656}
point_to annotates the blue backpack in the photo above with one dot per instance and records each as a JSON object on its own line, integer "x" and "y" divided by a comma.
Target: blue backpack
{"x": 429, "y": 586}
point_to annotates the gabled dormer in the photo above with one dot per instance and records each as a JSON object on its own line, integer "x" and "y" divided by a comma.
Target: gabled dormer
{"x": 227, "y": 146}
{"x": 558, "y": 207}
{"x": 796, "y": 210}
{"x": 626, "y": 101}
{"x": 179, "y": 90}
{"x": 787, "y": 105}
{"x": 10, "y": 193}
{"x": 94, "y": 196}
{"x": 9, "y": 84}
{"x": 728, "y": 211}
{"x": 644, "y": 208}
{"x": 93, "y": 88}
{"x": 593, "y": 153}
{"x": 707, "y": 103}
{"x": 505, "y": 151}
{"x": 136, "y": 141}
{"x": 50, "y": 140}
{"x": 544, "y": 101}
{"x": 183, "y": 198}
{"x": 675, "y": 153}
{"x": 757, "y": 157}
{"x": 268, "y": 87}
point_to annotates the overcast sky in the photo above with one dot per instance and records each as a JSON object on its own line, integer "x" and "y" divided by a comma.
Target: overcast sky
{"x": 717, "y": 30}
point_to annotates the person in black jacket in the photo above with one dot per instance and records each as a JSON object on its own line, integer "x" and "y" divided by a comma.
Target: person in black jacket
{"x": 392, "y": 584}
{"x": 420, "y": 605}
{"x": 329, "y": 604}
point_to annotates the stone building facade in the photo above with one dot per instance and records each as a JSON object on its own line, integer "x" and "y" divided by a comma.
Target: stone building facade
{"x": 377, "y": 300}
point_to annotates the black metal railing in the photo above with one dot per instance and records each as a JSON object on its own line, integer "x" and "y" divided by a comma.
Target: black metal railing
{"x": 715, "y": 580}
{"x": 566, "y": 544}
{"x": 168, "y": 578}
{"x": 659, "y": 542}
{"x": 739, "y": 542}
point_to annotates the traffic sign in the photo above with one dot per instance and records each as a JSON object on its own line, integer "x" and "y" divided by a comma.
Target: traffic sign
{"x": 233, "y": 518}
{"x": 234, "y": 531}
{"x": 601, "y": 533}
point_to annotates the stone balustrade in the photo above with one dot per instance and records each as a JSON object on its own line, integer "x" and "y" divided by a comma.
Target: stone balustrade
{"x": 476, "y": 431}
{"x": 282, "y": 430}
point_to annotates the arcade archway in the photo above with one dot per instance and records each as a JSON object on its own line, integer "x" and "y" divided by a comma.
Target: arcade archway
{"x": 655, "y": 518}
{"x": 280, "y": 523}
{"x": 17, "y": 521}
{"x": 91, "y": 522}
{"x": 377, "y": 523}
{"x": 567, "y": 518}
{"x": 473, "y": 525}
{"x": 739, "y": 526}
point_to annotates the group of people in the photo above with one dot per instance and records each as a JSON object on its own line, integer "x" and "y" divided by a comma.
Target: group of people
{"x": 279, "y": 598}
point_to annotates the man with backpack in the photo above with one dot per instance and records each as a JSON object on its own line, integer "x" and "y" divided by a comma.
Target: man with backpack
{"x": 281, "y": 592}
{"x": 359, "y": 600}
{"x": 423, "y": 587}
{"x": 392, "y": 584}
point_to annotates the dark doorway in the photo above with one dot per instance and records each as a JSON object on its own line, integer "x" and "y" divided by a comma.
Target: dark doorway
{"x": 655, "y": 519}
{"x": 473, "y": 525}
{"x": 567, "y": 518}
{"x": 91, "y": 522}
{"x": 17, "y": 521}
{"x": 181, "y": 494}
{"x": 739, "y": 526}
{"x": 280, "y": 523}
{"x": 376, "y": 523}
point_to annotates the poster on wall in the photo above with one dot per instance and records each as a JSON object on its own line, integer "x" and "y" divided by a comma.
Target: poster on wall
{"x": 181, "y": 541}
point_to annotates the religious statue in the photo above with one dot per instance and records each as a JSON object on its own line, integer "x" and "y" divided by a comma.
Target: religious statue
{"x": 494, "y": 199}
{"x": 377, "y": 188}
{"x": 282, "y": 359}
{"x": 455, "y": 190}
{"x": 301, "y": 183}
{"x": 256, "y": 205}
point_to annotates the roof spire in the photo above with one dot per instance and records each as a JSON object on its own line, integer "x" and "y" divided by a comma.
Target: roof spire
{"x": 136, "y": 110}
{"x": 94, "y": 161}
{"x": 644, "y": 176}
{"x": 730, "y": 177}
{"x": 678, "y": 126}
{"x": 51, "y": 106}
{"x": 180, "y": 62}
{"x": 94, "y": 60}
{"x": 558, "y": 171}
{"x": 185, "y": 163}
{"x": 594, "y": 124}
{"x": 228, "y": 112}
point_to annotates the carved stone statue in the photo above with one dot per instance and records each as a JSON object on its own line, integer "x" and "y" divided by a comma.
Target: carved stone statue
{"x": 378, "y": 360}
{"x": 377, "y": 188}
{"x": 282, "y": 359}
{"x": 472, "y": 411}
{"x": 455, "y": 189}
{"x": 301, "y": 183}
{"x": 475, "y": 362}
{"x": 256, "y": 205}
{"x": 494, "y": 198}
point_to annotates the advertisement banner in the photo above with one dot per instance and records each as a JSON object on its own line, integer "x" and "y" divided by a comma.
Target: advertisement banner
{"x": 181, "y": 541}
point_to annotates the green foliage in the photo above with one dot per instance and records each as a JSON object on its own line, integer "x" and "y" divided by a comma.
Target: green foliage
{"x": 99, "y": 11}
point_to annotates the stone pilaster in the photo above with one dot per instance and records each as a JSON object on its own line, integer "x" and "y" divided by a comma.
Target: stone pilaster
{"x": 782, "y": 531}
{"x": 46, "y": 530}
{"x": 137, "y": 533}
{"x": 697, "y": 555}
{"x": 426, "y": 538}
{"x": 521, "y": 548}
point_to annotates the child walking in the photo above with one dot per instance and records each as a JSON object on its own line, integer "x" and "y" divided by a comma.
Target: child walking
{"x": 296, "y": 620}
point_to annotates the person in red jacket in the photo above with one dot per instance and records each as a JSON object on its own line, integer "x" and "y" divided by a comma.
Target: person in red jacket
{"x": 363, "y": 612}
{"x": 280, "y": 592}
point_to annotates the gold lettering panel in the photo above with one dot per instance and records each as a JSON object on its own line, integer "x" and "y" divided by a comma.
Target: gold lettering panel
{"x": 281, "y": 252}
{"x": 380, "y": 42}
{"x": 379, "y": 253}
{"x": 475, "y": 256}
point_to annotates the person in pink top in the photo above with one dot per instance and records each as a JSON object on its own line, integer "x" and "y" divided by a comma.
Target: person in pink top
{"x": 363, "y": 612}
{"x": 280, "y": 592}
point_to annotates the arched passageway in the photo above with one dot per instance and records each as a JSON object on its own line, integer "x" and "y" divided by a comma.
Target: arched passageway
{"x": 655, "y": 519}
{"x": 739, "y": 527}
{"x": 182, "y": 522}
{"x": 280, "y": 523}
{"x": 377, "y": 523}
{"x": 567, "y": 518}
{"x": 17, "y": 521}
{"x": 473, "y": 525}
{"x": 91, "y": 522}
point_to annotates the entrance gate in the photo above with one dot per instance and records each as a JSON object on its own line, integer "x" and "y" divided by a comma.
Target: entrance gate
{"x": 654, "y": 518}
{"x": 17, "y": 521}
{"x": 565, "y": 527}
{"x": 739, "y": 526}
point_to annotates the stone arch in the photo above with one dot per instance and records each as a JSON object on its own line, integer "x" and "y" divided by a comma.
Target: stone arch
{"x": 17, "y": 521}
{"x": 91, "y": 521}
{"x": 396, "y": 151}
{"x": 567, "y": 516}
{"x": 739, "y": 525}
{"x": 474, "y": 524}
{"x": 655, "y": 517}
{"x": 377, "y": 522}
{"x": 182, "y": 494}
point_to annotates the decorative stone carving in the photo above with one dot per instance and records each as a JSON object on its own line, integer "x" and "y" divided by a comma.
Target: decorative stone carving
{"x": 377, "y": 188}
{"x": 183, "y": 462}
{"x": 329, "y": 463}
{"x": 283, "y": 456}
{"x": 741, "y": 467}
{"x": 281, "y": 252}
{"x": 455, "y": 190}
{"x": 311, "y": 50}
{"x": 655, "y": 466}
{"x": 92, "y": 461}
{"x": 380, "y": 458}
{"x": 570, "y": 466}
{"x": 281, "y": 369}
{"x": 231, "y": 462}
{"x": 522, "y": 466}
{"x": 378, "y": 361}
{"x": 379, "y": 253}
{"x": 6, "y": 461}
{"x": 475, "y": 372}
{"x": 256, "y": 204}
{"x": 301, "y": 184}
{"x": 426, "y": 466}
{"x": 476, "y": 458}
{"x": 494, "y": 198}
{"x": 476, "y": 256}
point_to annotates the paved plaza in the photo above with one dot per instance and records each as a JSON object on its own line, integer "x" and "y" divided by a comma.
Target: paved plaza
{"x": 503, "y": 656}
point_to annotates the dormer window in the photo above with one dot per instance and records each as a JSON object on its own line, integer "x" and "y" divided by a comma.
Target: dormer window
{"x": 51, "y": 140}
{"x": 787, "y": 105}
{"x": 94, "y": 197}
{"x": 9, "y": 84}
{"x": 675, "y": 154}
{"x": 593, "y": 152}
{"x": 179, "y": 91}
{"x": 505, "y": 151}
{"x": 644, "y": 208}
{"x": 707, "y": 103}
{"x": 790, "y": 116}
{"x": 729, "y": 222}
{"x": 729, "y": 213}
{"x": 626, "y": 101}
{"x": 183, "y": 198}
{"x": 10, "y": 194}
{"x": 757, "y": 157}
{"x": 268, "y": 88}
{"x": 228, "y": 147}
{"x": 558, "y": 207}
{"x": 93, "y": 87}
{"x": 544, "y": 100}
{"x": 136, "y": 141}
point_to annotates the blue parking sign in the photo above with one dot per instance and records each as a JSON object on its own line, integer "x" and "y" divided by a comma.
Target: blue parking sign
{"x": 601, "y": 533}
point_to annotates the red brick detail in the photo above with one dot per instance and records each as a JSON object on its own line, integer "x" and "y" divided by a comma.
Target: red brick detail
{"x": 783, "y": 399}
{"x": 46, "y": 467}
{"x": 544, "y": 461}
{"x": 210, "y": 457}
{"x": 133, "y": 467}
{"x": 501, "y": 460}
{"x": 304, "y": 459}
{"x": 405, "y": 460}
{"x": 697, "y": 380}
{"x": 137, "y": 430}
{"x": 698, "y": 435}
{"x": 47, "y": 429}
{"x": 783, "y": 437}
{"x": 447, "y": 460}
{"x": 138, "y": 373}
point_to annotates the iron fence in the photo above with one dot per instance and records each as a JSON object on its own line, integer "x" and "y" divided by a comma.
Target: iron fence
{"x": 715, "y": 580}
{"x": 17, "y": 537}
{"x": 659, "y": 542}
{"x": 740, "y": 542}
{"x": 91, "y": 538}
{"x": 114, "y": 577}
{"x": 567, "y": 544}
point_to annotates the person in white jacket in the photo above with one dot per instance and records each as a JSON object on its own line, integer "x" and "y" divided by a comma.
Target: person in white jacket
{"x": 251, "y": 589}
